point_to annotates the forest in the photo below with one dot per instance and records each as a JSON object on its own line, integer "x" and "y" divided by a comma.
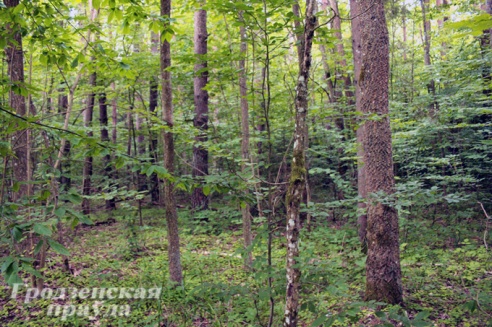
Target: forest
{"x": 246, "y": 163}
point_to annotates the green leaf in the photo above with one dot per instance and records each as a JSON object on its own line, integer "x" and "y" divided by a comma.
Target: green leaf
{"x": 58, "y": 248}
{"x": 74, "y": 198}
{"x": 38, "y": 246}
{"x": 31, "y": 270}
{"x": 6, "y": 264}
{"x": 17, "y": 233}
{"x": 41, "y": 229}
{"x": 206, "y": 190}
{"x": 319, "y": 321}
{"x": 60, "y": 212}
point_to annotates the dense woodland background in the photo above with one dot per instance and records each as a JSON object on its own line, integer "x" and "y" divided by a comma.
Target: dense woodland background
{"x": 145, "y": 144}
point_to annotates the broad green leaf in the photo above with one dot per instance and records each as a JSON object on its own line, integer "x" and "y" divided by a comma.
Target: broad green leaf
{"x": 58, "y": 248}
{"x": 41, "y": 229}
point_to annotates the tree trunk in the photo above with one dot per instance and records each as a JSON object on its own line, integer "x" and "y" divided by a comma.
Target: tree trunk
{"x": 431, "y": 86}
{"x": 65, "y": 179}
{"x": 87, "y": 170}
{"x": 103, "y": 123}
{"x": 341, "y": 74}
{"x": 297, "y": 182}
{"x": 199, "y": 201}
{"x": 243, "y": 92}
{"x": 153, "y": 97}
{"x": 15, "y": 60}
{"x": 361, "y": 185}
{"x": 486, "y": 46}
{"x": 88, "y": 115}
{"x": 174, "y": 257}
{"x": 383, "y": 274}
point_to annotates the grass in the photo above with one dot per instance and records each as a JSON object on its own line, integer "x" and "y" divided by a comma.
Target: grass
{"x": 446, "y": 282}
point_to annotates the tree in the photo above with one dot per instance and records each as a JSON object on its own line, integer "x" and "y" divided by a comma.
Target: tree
{"x": 88, "y": 115}
{"x": 383, "y": 274}
{"x": 361, "y": 184}
{"x": 88, "y": 160}
{"x": 174, "y": 256}
{"x": 199, "y": 200}
{"x": 297, "y": 181}
{"x": 15, "y": 60}
{"x": 243, "y": 92}
{"x": 153, "y": 98}
{"x": 103, "y": 122}
{"x": 431, "y": 86}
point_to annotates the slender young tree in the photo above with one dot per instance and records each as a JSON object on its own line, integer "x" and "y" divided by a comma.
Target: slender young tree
{"x": 103, "y": 123}
{"x": 153, "y": 97}
{"x": 431, "y": 86}
{"x": 174, "y": 256}
{"x": 88, "y": 116}
{"x": 199, "y": 200}
{"x": 243, "y": 92}
{"x": 361, "y": 185}
{"x": 383, "y": 274}
{"x": 14, "y": 56}
{"x": 297, "y": 181}
{"x": 87, "y": 170}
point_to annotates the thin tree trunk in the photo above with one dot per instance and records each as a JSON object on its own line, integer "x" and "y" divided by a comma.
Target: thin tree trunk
{"x": 347, "y": 84}
{"x": 243, "y": 92}
{"x": 297, "y": 182}
{"x": 431, "y": 86}
{"x": 14, "y": 56}
{"x": 153, "y": 97}
{"x": 486, "y": 46}
{"x": 199, "y": 200}
{"x": 383, "y": 274}
{"x": 87, "y": 170}
{"x": 65, "y": 179}
{"x": 440, "y": 24}
{"x": 174, "y": 257}
{"x": 88, "y": 115}
{"x": 361, "y": 185}
{"x": 103, "y": 123}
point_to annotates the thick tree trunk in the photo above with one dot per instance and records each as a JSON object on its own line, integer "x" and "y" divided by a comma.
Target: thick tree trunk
{"x": 297, "y": 182}
{"x": 103, "y": 123}
{"x": 87, "y": 170}
{"x": 383, "y": 274}
{"x": 199, "y": 201}
{"x": 243, "y": 92}
{"x": 361, "y": 185}
{"x": 15, "y": 60}
{"x": 174, "y": 257}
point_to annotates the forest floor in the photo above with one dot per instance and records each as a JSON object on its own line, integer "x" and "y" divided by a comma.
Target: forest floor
{"x": 447, "y": 277}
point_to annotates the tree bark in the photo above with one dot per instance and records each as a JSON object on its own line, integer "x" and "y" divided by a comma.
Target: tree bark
{"x": 199, "y": 201}
{"x": 297, "y": 182}
{"x": 383, "y": 274}
{"x": 103, "y": 123}
{"x": 431, "y": 86}
{"x": 361, "y": 185}
{"x": 15, "y": 60}
{"x": 486, "y": 45}
{"x": 88, "y": 116}
{"x": 174, "y": 257}
{"x": 87, "y": 170}
{"x": 153, "y": 97}
{"x": 243, "y": 92}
